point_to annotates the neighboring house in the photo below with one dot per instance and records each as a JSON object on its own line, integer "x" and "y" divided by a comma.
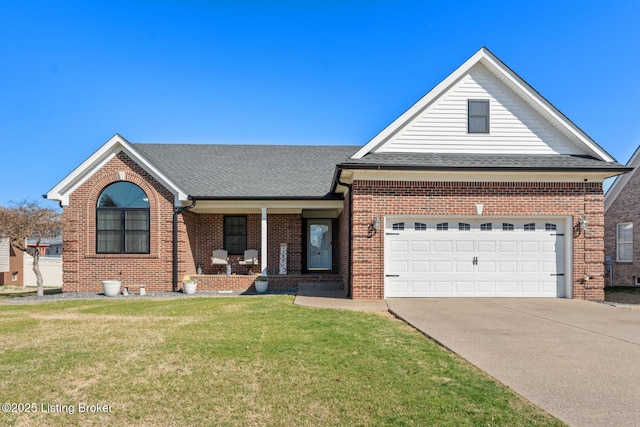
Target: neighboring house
{"x": 16, "y": 267}
{"x": 481, "y": 188}
{"x": 622, "y": 226}
{"x": 11, "y": 265}
{"x": 49, "y": 247}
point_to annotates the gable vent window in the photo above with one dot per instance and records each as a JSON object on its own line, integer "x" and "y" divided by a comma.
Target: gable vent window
{"x": 478, "y": 116}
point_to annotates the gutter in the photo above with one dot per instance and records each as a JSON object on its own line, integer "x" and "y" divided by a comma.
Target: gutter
{"x": 177, "y": 211}
{"x": 370, "y": 166}
{"x": 350, "y": 220}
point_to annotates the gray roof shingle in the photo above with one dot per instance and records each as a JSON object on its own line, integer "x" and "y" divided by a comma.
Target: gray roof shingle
{"x": 248, "y": 171}
{"x": 470, "y": 161}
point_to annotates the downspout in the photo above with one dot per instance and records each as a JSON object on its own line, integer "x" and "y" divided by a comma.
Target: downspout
{"x": 350, "y": 245}
{"x": 176, "y": 212}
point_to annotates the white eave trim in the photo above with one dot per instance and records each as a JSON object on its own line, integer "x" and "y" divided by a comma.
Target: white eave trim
{"x": 102, "y": 156}
{"x": 621, "y": 180}
{"x": 497, "y": 67}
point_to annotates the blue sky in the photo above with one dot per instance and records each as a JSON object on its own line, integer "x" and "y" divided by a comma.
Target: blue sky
{"x": 286, "y": 72}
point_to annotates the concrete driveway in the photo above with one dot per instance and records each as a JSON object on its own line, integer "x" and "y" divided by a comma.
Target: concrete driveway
{"x": 578, "y": 360}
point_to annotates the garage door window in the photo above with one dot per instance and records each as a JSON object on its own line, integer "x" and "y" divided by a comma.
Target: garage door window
{"x": 420, "y": 226}
{"x": 463, "y": 226}
{"x": 550, "y": 227}
{"x": 443, "y": 226}
{"x": 486, "y": 226}
{"x": 398, "y": 226}
{"x": 530, "y": 227}
{"x": 507, "y": 227}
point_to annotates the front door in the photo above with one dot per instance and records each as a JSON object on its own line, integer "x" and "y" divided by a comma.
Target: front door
{"x": 319, "y": 244}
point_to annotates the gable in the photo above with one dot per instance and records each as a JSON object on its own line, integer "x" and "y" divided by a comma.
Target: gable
{"x": 101, "y": 157}
{"x": 625, "y": 184}
{"x": 521, "y": 120}
{"x": 515, "y": 127}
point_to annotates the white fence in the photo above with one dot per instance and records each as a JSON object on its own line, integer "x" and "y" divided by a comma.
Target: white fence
{"x": 50, "y": 267}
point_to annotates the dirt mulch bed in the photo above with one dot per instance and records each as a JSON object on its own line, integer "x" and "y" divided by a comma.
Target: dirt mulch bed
{"x": 622, "y": 294}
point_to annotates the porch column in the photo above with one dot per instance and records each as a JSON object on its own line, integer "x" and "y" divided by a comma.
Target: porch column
{"x": 263, "y": 249}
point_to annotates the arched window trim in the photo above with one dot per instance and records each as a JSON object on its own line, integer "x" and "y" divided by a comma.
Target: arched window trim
{"x": 123, "y": 229}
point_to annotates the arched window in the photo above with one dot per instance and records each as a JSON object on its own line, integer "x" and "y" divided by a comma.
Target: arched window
{"x": 122, "y": 220}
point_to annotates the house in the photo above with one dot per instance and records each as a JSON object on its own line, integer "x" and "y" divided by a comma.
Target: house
{"x": 621, "y": 213}
{"x": 481, "y": 188}
{"x": 16, "y": 267}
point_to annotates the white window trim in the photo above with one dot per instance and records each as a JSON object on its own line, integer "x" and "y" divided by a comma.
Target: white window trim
{"x": 622, "y": 242}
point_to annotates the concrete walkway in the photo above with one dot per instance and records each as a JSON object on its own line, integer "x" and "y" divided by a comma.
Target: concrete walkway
{"x": 578, "y": 360}
{"x": 323, "y": 296}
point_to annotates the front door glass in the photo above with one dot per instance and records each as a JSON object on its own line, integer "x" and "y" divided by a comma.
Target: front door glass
{"x": 319, "y": 244}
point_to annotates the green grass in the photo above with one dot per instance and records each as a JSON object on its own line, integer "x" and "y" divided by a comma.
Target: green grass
{"x": 238, "y": 361}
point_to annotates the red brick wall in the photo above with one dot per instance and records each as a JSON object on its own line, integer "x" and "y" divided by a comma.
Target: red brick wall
{"x": 83, "y": 269}
{"x": 625, "y": 208}
{"x": 206, "y": 234}
{"x": 381, "y": 198}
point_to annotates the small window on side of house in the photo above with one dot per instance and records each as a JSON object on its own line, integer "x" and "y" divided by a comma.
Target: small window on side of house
{"x": 624, "y": 242}
{"x": 478, "y": 116}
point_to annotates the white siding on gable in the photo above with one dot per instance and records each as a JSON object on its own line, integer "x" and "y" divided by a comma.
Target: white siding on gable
{"x": 515, "y": 128}
{"x": 4, "y": 255}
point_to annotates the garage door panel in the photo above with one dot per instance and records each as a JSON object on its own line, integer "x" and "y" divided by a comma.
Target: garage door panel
{"x": 529, "y": 267}
{"x": 508, "y": 287}
{"x": 464, "y": 246}
{"x": 474, "y": 261}
{"x": 399, "y": 246}
{"x": 420, "y": 246}
{"x": 486, "y": 246}
{"x": 440, "y": 246}
{"x": 529, "y": 247}
{"x": 420, "y": 266}
{"x": 399, "y": 267}
{"x": 486, "y": 287}
{"x": 443, "y": 266}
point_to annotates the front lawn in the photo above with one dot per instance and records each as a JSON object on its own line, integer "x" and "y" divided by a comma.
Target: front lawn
{"x": 236, "y": 361}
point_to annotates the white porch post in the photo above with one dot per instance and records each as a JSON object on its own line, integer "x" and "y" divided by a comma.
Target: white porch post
{"x": 263, "y": 249}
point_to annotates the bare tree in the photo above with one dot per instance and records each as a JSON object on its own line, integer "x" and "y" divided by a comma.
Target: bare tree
{"x": 28, "y": 219}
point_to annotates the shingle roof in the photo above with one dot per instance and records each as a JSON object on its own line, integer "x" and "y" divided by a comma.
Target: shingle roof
{"x": 248, "y": 171}
{"x": 444, "y": 161}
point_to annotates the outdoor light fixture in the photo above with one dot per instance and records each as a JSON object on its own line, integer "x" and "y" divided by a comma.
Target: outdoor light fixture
{"x": 582, "y": 223}
{"x": 373, "y": 227}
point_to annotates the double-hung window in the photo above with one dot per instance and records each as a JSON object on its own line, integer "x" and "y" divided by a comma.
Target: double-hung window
{"x": 235, "y": 234}
{"x": 478, "y": 116}
{"x": 122, "y": 220}
{"x": 624, "y": 242}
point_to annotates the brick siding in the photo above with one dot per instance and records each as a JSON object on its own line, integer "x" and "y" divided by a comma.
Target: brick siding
{"x": 381, "y": 198}
{"x": 625, "y": 208}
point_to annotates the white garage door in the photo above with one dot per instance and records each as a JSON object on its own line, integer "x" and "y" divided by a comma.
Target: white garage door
{"x": 488, "y": 257}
